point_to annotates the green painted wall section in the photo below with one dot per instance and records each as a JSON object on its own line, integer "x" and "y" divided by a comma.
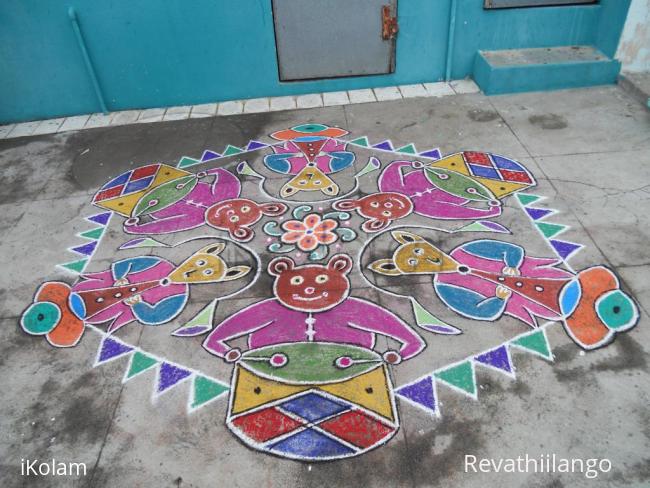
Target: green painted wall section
{"x": 151, "y": 53}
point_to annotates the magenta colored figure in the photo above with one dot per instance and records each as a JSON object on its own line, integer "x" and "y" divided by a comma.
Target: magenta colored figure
{"x": 312, "y": 304}
{"x": 328, "y": 155}
{"x": 156, "y": 305}
{"x": 429, "y": 200}
{"x": 188, "y": 212}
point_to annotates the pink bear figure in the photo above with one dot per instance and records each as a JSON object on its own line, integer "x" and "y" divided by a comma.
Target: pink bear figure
{"x": 312, "y": 304}
{"x": 428, "y": 200}
{"x": 188, "y": 212}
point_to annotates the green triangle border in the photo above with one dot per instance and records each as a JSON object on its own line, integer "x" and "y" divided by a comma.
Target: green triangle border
{"x": 90, "y": 234}
{"x": 360, "y": 141}
{"x": 408, "y": 149}
{"x": 75, "y": 266}
{"x": 451, "y": 385}
{"x": 559, "y": 228}
{"x": 191, "y": 403}
{"x": 528, "y": 198}
{"x": 517, "y": 342}
{"x": 135, "y": 353}
{"x": 232, "y": 150}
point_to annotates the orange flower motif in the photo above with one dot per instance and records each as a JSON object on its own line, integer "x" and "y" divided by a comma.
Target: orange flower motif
{"x": 309, "y": 233}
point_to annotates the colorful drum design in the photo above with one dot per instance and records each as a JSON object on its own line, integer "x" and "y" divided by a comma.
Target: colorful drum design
{"x": 312, "y": 401}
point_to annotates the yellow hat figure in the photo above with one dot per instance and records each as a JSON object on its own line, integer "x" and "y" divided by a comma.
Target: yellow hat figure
{"x": 123, "y": 192}
{"x": 502, "y": 176}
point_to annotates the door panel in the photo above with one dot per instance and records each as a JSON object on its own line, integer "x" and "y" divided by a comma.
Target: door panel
{"x": 331, "y": 38}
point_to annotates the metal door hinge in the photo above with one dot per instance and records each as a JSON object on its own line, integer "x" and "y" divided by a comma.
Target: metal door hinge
{"x": 389, "y": 23}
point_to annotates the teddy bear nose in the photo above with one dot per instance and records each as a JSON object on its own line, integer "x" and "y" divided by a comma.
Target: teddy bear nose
{"x": 310, "y": 290}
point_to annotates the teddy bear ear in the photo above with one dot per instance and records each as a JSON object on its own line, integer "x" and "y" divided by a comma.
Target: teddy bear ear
{"x": 341, "y": 263}
{"x": 375, "y": 225}
{"x": 279, "y": 265}
{"x": 348, "y": 204}
{"x": 241, "y": 233}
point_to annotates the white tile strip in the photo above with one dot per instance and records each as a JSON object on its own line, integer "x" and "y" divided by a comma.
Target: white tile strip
{"x": 387, "y": 93}
{"x": 230, "y": 108}
{"x": 282, "y": 103}
{"x": 465, "y": 86}
{"x": 310, "y": 100}
{"x": 204, "y": 110}
{"x": 234, "y": 107}
{"x": 74, "y": 123}
{"x": 5, "y": 130}
{"x": 49, "y": 126}
{"x": 440, "y": 89}
{"x": 24, "y": 129}
{"x": 177, "y": 113}
{"x": 151, "y": 115}
{"x": 125, "y": 117}
{"x": 412, "y": 91}
{"x": 98, "y": 120}
{"x": 255, "y": 105}
{"x": 361, "y": 96}
{"x": 335, "y": 98}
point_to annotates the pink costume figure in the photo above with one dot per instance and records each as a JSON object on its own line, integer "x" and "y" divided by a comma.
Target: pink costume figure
{"x": 537, "y": 282}
{"x": 328, "y": 155}
{"x": 428, "y": 200}
{"x": 157, "y": 305}
{"x": 189, "y": 211}
{"x": 311, "y": 304}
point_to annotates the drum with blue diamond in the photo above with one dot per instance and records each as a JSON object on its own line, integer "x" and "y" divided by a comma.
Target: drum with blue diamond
{"x": 312, "y": 401}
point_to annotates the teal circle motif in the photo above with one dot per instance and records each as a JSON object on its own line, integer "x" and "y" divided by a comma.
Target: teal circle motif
{"x": 40, "y": 318}
{"x": 309, "y": 128}
{"x": 616, "y": 309}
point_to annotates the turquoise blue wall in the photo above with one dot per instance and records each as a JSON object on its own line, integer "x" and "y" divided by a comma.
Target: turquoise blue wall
{"x": 150, "y": 53}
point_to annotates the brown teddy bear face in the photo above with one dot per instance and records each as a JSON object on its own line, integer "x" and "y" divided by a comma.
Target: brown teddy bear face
{"x": 311, "y": 287}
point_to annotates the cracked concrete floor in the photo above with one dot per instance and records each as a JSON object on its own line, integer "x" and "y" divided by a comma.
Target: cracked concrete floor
{"x": 590, "y": 152}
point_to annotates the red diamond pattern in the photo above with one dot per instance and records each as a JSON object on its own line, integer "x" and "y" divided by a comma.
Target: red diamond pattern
{"x": 265, "y": 424}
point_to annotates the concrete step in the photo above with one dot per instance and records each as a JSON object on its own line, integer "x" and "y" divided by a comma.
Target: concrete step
{"x": 535, "y": 69}
{"x": 637, "y": 85}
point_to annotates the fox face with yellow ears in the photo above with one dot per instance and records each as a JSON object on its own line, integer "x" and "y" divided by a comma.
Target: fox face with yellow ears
{"x": 414, "y": 256}
{"x": 205, "y": 266}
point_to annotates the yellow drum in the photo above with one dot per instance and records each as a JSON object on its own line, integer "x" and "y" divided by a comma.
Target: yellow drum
{"x": 312, "y": 401}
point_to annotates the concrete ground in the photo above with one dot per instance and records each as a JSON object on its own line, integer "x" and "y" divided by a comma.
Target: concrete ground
{"x": 590, "y": 152}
